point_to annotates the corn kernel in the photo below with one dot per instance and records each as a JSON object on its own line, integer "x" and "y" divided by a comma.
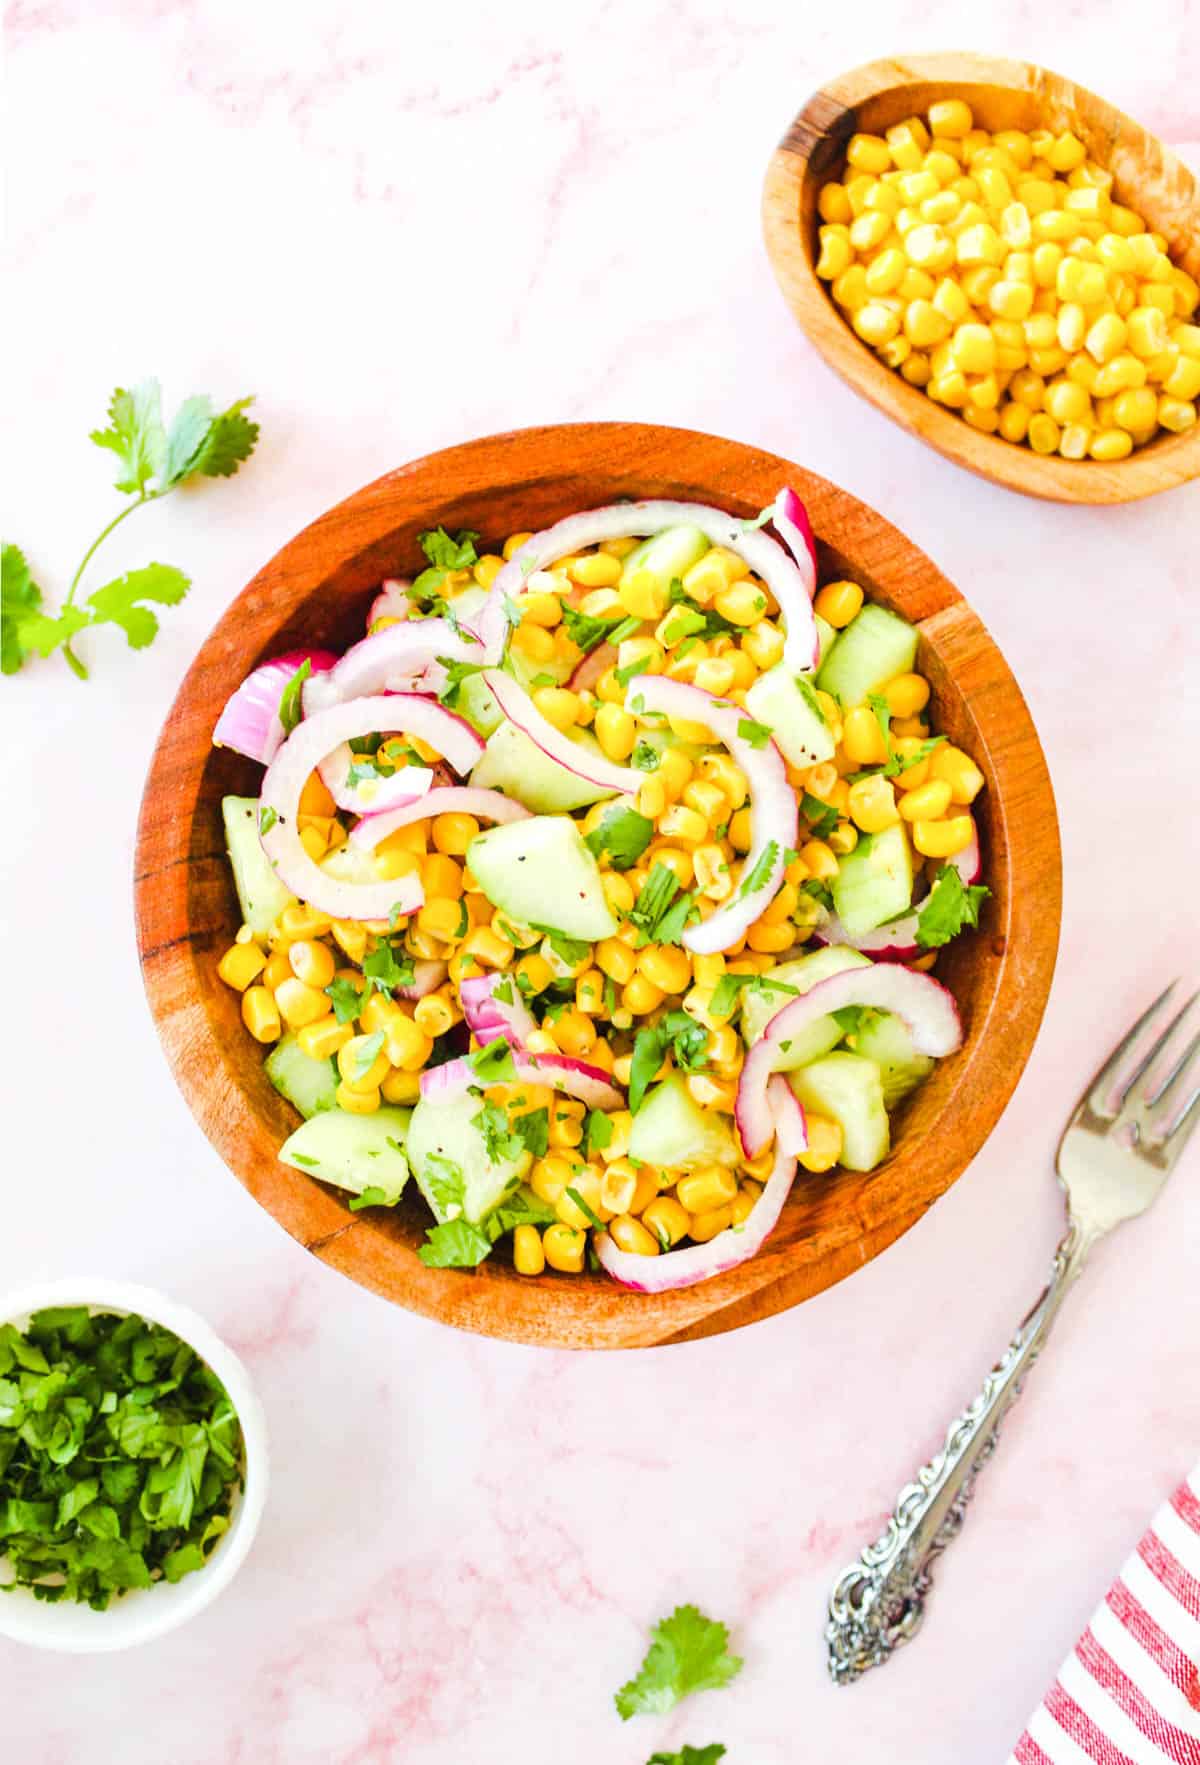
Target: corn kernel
{"x": 873, "y": 803}
{"x": 943, "y": 839}
{"x": 1176, "y": 414}
{"x": 300, "y": 1004}
{"x": 705, "y": 1226}
{"x": 838, "y": 603}
{"x": 1043, "y": 433}
{"x": 631, "y": 1236}
{"x": 959, "y": 771}
{"x": 241, "y": 964}
{"x": 260, "y": 1014}
{"x": 563, "y": 1247}
{"x": 824, "y": 1144}
{"x": 950, "y": 117}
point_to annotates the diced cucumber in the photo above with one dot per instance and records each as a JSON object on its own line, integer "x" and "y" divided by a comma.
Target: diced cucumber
{"x": 540, "y": 872}
{"x": 848, "y": 1089}
{"x": 261, "y": 895}
{"x": 788, "y": 706}
{"x": 667, "y": 555}
{"x": 309, "y": 1085}
{"x": 873, "y": 649}
{"x": 874, "y": 883}
{"x": 477, "y": 703}
{"x": 465, "y": 605}
{"x": 514, "y": 764}
{"x": 885, "y": 1040}
{"x": 450, "y": 1161}
{"x": 355, "y": 1152}
{"x": 826, "y": 638}
{"x": 671, "y": 1129}
{"x": 760, "y": 1005}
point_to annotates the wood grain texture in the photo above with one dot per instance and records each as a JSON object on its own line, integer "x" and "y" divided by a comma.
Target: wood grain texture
{"x": 1003, "y": 95}
{"x": 316, "y": 590}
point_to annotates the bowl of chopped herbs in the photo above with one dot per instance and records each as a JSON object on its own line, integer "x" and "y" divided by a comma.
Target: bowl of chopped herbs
{"x": 133, "y": 1465}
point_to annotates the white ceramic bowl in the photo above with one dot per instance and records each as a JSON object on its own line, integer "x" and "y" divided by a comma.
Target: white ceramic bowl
{"x": 144, "y": 1613}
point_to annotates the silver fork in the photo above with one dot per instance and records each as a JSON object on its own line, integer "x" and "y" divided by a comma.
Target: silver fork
{"x": 1116, "y": 1153}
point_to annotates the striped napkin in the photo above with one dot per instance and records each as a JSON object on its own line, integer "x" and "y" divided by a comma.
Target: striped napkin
{"x": 1130, "y": 1692}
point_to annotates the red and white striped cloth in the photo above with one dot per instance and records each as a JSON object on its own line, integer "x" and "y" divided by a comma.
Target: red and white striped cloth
{"x": 1130, "y": 1692}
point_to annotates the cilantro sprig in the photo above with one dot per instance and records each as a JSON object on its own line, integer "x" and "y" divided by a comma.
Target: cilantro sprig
{"x": 120, "y": 1452}
{"x": 661, "y": 912}
{"x": 676, "y": 1034}
{"x": 950, "y": 906}
{"x": 445, "y": 555}
{"x": 623, "y": 833}
{"x": 688, "y": 1653}
{"x": 152, "y": 461}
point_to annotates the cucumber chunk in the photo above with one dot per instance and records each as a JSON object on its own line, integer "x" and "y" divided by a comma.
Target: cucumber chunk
{"x": 849, "y": 1090}
{"x": 309, "y": 1085}
{"x": 788, "y": 706}
{"x": 826, "y": 638}
{"x": 874, "y": 883}
{"x": 667, "y": 555}
{"x": 450, "y": 1161}
{"x": 671, "y": 1129}
{"x": 261, "y": 895}
{"x": 355, "y": 1152}
{"x": 477, "y": 703}
{"x": 885, "y": 1040}
{"x": 540, "y": 872}
{"x": 760, "y": 1006}
{"x": 514, "y": 764}
{"x": 873, "y": 649}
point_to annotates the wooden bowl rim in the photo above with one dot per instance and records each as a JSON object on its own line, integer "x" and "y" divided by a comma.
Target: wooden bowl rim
{"x": 1164, "y": 464}
{"x": 582, "y": 1312}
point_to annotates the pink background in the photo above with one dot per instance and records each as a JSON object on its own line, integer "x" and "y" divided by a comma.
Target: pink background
{"x": 400, "y": 227}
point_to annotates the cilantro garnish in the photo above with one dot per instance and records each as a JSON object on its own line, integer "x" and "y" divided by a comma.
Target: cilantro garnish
{"x": 639, "y": 665}
{"x": 119, "y": 1455}
{"x": 757, "y": 734}
{"x": 444, "y": 554}
{"x": 493, "y": 1064}
{"x": 372, "y": 1198}
{"x": 585, "y": 631}
{"x": 589, "y": 1213}
{"x": 685, "y": 622}
{"x": 456, "y": 672}
{"x": 819, "y": 891}
{"x": 366, "y": 1054}
{"x": 289, "y": 698}
{"x": 455, "y": 1244}
{"x": 661, "y": 913}
{"x": 500, "y": 1143}
{"x": 688, "y": 1653}
{"x": 599, "y": 1131}
{"x": 533, "y": 1130}
{"x": 623, "y": 834}
{"x": 709, "y": 1755}
{"x": 571, "y": 951}
{"x": 807, "y": 692}
{"x": 348, "y": 1000}
{"x": 266, "y": 818}
{"x": 645, "y": 757}
{"x": 676, "y": 1034}
{"x": 628, "y": 627}
{"x": 729, "y": 989}
{"x": 948, "y": 908}
{"x": 763, "y": 867}
{"x": 383, "y": 972}
{"x": 821, "y": 816}
{"x": 200, "y": 443}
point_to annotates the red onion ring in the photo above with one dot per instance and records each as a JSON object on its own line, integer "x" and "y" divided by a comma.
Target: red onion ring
{"x": 250, "y": 724}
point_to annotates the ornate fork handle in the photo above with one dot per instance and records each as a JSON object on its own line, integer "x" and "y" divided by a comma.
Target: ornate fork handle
{"x": 879, "y": 1601}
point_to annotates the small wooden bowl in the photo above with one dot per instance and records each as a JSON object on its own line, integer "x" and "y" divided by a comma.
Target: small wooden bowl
{"x": 316, "y": 591}
{"x": 1002, "y": 95}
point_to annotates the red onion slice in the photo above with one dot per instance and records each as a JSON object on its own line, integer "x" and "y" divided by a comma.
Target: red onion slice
{"x": 392, "y": 601}
{"x": 375, "y": 795}
{"x": 442, "y": 1084}
{"x": 897, "y": 940}
{"x": 407, "y": 714}
{"x": 488, "y": 1016}
{"x": 793, "y": 526}
{"x": 454, "y": 799}
{"x": 700, "y": 1262}
{"x": 520, "y": 709}
{"x": 773, "y": 816}
{"x": 765, "y": 556}
{"x": 588, "y": 671}
{"x": 924, "y": 1004}
{"x": 397, "y": 659}
{"x": 791, "y": 1124}
{"x": 286, "y": 777}
{"x": 250, "y": 724}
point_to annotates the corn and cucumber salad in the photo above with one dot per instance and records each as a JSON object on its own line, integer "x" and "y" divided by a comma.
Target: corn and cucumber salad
{"x": 999, "y": 273}
{"x": 584, "y": 954}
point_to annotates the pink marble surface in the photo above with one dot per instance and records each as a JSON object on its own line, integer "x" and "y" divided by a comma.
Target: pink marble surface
{"x": 402, "y": 226}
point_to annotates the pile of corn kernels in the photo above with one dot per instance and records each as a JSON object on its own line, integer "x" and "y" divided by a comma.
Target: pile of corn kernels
{"x": 998, "y": 273}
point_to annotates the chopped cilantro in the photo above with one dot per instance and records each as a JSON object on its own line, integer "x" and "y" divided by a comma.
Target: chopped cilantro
{"x": 585, "y": 631}
{"x": 456, "y": 672}
{"x": 348, "y": 1000}
{"x": 661, "y": 913}
{"x": 763, "y": 867}
{"x": 688, "y": 1653}
{"x": 623, "y": 834}
{"x": 645, "y": 758}
{"x": 383, "y": 972}
{"x": 533, "y": 1130}
{"x": 625, "y": 628}
{"x": 584, "y": 1209}
{"x": 499, "y": 1141}
{"x": 599, "y": 1131}
{"x": 266, "y": 818}
{"x": 757, "y": 734}
{"x": 819, "y": 891}
{"x": 709, "y": 1755}
{"x": 639, "y": 665}
{"x": 444, "y": 554}
{"x": 455, "y": 1244}
{"x": 366, "y": 1054}
{"x": 372, "y": 1198}
{"x": 729, "y": 989}
{"x": 289, "y": 698}
{"x": 493, "y": 1064}
{"x": 949, "y": 907}
{"x": 571, "y": 951}
{"x": 821, "y": 816}
{"x": 678, "y": 1035}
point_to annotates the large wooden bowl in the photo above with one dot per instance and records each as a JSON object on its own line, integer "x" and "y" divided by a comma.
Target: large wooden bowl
{"x": 316, "y": 591}
{"x": 1003, "y": 95}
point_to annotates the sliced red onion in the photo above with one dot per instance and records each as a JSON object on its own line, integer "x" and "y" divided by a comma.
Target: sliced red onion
{"x": 593, "y": 665}
{"x": 250, "y": 724}
{"x": 279, "y": 803}
{"x": 793, "y": 526}
{"x": 427, "y": 978}
{"x": 520, "y": 709}
{"x": 924, "y": 1004}
{"x": 442, "y": 1084}
{"x": 700, "y": 1262}
{"x": 454, "y": 799}
{"x": 373, "y": 795}
{"x": 488, "y": 1016}
{"x": 897, "y": 940}
{"x": 397, "y": 659}
{"x": 407, "y": 714}
{"x": 765, "y": 556}
{"x": 392, "y": 601}
{"x": 791, "y": 1124}
{"x": 773, "y": 817}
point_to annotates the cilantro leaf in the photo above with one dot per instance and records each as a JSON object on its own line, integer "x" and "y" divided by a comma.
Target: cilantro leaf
{"x": 688, "y": 1653}
{"x": 493, "y": 1064}
{"x": 366, "y": 1054}
{"x": 289, "y": 698}
{"x": 599, "y": 1131}
{"x": 570, "y": 951}
{"x": 623, "y": 834}
{"x": 645, "y": 757}
{"x": 135, "y": 434}
{"x": 584, "y": 630}
{"x": 267, "y": 817}
{"x": 521, "y": 1208}
{"x": 949, "y": 907}
{"x": 821, "y": 816}
{"x": 730, "y": 988}
{"x": 348, "y": 1000}
{"x": 533, "y": 1130}
{"x": 229, "y": 440}
{"x": 371, "y": 1197}
{"x": 709, "y": 1755}
{"x": 660, "y": 912}
{"x": 456, "y": 672}
{"x": 819, "y": 891}
{"x": 763, "y": 867}
{"x": 757, "y": 734}
{"x": 639, "y": 665}
{"x": 447, "y": 1186}
{"x": 382, "y": 971}
{"x": 24, "y": 629}
{"x": 589, "y": 1213}
{"x": 444, "y": 554}
{"x": 456, "y": 1244}
{"x": 499, "y": 1142}
{"x": 120, "y": 602}
{"x": 676, "y": 1034}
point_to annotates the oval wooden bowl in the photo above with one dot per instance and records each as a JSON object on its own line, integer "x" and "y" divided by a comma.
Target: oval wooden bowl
{"x": 1003, "y": 95}
{"x": 316, "y": 591}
